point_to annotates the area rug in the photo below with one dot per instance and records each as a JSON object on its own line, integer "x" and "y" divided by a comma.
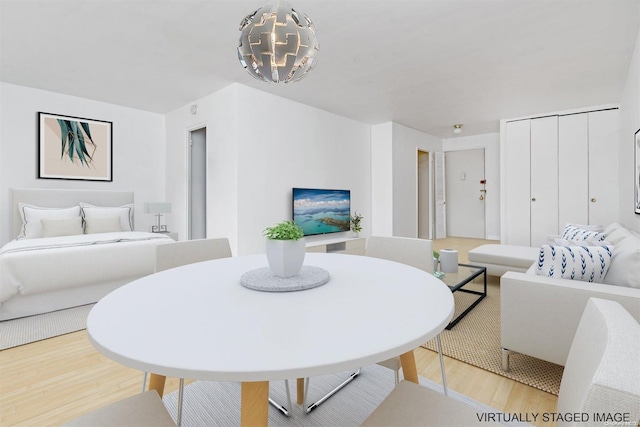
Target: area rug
{"x": 476, "y": 341}
{"x": 214, "y": 404}
{"x": 42, "y": 326}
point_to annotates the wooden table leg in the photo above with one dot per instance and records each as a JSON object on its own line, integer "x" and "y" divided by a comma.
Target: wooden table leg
{"x": 156, "y": 382}
{"x": 409, "y": 370}
{"x": 254, "y": 404}
{"x": 300, "y": 390}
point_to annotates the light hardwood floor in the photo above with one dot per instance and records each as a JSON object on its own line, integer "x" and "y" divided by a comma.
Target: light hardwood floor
{"x": 52, "y": 381}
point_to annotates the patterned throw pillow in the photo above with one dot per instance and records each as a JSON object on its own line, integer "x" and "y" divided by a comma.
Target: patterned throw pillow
{"x": 574, "y": 233}
{"x": 586, "y": 263}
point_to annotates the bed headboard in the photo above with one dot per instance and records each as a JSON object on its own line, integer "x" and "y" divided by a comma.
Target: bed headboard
{"x": 57, "y": 198}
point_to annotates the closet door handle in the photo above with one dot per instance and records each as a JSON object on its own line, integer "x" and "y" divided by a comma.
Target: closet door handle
{"x": 533, "y": 199}
{"x": 593, "y": 199}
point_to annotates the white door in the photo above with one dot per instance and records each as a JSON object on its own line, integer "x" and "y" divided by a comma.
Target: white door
{"x": 198, "y": 184}
{"x": 464, "y": 173}
{"x": 544, "y": 179}
{"x": 573, "y": 161}
{"x": 604, "y": 142}
{"x": 517, "y": 189}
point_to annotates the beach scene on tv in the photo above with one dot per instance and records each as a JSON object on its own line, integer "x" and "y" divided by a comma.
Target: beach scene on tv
{"x": 321, "y": 211}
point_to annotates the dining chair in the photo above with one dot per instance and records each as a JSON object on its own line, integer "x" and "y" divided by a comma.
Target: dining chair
{"x": 142, "y": 410}
{"x": 176, "y": 254}
{"x": 601, "y": 379}
{"x": 417, "y": 253}
{"x": 414, "y": 252}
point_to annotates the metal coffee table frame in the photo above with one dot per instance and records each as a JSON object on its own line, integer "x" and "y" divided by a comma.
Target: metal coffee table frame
{"x": 459, "y": 288}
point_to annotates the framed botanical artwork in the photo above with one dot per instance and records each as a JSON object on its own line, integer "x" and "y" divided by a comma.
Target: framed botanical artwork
{"x": 636, "y": 172}
{"x": 74, "y": 148}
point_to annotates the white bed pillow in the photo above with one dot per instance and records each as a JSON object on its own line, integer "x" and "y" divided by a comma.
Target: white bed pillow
{"x": 125, "y": 213}
{"x": 61, "y": 227}
{"x": 102, "y": 225}
{"x": 586, "y": 263}
{"x": 33, "y": 215}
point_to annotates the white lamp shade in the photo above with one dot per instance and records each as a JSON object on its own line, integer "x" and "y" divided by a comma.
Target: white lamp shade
{"x": 157, "y": 207}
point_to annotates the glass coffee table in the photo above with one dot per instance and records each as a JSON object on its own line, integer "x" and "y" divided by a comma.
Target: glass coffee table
{"x": 457, "y": 282}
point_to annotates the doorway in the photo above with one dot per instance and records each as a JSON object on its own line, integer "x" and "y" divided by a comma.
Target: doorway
{"x": 424, "y": 196}
{"x": 197, "y": 192}
{"x": 464, "y": 176}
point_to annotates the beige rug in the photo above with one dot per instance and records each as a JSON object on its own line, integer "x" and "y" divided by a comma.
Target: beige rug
{"x": 476, "y": 340}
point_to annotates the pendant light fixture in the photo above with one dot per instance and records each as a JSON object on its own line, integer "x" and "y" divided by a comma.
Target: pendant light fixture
{"x": 278, "y": 44}
{"x": 457, "y": 129}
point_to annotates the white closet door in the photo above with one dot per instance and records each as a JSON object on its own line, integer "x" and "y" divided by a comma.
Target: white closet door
{"x": 604, "y": 185}
{"x": 573, "y": 164}
{"x": 544, "y": 179}
{"x": 517, "y": 169}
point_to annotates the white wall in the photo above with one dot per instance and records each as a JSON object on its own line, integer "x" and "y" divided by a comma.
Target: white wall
{"x": 629, "y": 124}
{"x": 395, "y": 177}
{"x": 217, "y": 112}
{"x": 382, "y": 179}
{"x": 491, "y": 144}
{"x": 138, "y": 148}
{"x": 406, "y": 143}
{"x": 260, "y": 147}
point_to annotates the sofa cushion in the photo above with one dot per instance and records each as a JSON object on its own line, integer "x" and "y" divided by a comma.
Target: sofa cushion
{"x": 586, "y": 263}
{"x": 617, "y": 235}
{"x": 509, "y": 255}
{"x": 625, "y": 264}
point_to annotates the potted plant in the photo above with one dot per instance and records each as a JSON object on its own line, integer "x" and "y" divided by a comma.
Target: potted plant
{"x": 436, "y": 260}
{"x": 354, "y": 223}
{"x": 285, "y": 248}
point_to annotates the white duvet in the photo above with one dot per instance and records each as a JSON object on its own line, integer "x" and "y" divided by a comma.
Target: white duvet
{"x": 32, "y": 266}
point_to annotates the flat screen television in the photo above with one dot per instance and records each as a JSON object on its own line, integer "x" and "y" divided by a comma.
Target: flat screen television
{"x": 319, "y": 211}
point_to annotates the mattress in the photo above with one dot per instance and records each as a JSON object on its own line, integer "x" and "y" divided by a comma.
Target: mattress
{"x": 42, "y": 265}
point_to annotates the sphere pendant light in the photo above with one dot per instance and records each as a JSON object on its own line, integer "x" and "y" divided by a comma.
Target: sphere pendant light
{"x": 278, "y": 44}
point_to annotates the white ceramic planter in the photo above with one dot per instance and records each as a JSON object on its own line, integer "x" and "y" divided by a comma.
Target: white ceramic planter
{"x": 285, "y": 257}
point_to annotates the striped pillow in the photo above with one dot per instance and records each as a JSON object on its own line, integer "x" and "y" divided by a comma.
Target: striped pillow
{"x": 574, "y": 233}
{"x": 586, "y": 263}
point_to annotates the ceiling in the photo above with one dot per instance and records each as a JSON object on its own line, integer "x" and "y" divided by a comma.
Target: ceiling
{"x": 425, "y": 64}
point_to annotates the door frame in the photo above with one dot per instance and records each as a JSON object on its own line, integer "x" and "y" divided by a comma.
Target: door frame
{"x": 188, "y": 131}
{"x": 430, "y": 187}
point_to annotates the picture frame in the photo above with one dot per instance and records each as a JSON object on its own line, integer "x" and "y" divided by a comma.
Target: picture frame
{"x": 636, "y": 172}
{"x": 74, "y": 148}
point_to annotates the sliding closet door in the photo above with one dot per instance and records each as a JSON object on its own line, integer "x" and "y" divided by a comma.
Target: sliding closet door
{"x": 573, "y": 185}
{"x": 517, "y": 185}
{"x": 544, "y": 179}
{"x": 604, "y": 184}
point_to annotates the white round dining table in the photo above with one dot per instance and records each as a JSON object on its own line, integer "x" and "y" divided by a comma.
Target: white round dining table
{"x": 198, "y": 322}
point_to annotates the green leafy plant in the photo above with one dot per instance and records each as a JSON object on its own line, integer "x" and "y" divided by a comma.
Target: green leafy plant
{"x": 76, "y": 141}
{"x": 354, "y": 222}
{"x": 285, "y": 230}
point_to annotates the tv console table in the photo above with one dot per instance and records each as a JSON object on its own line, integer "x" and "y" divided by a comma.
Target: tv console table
{"x": 344, "y": 245}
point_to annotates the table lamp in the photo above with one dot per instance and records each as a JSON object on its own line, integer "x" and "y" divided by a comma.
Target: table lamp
{"x": 158, "y": 208}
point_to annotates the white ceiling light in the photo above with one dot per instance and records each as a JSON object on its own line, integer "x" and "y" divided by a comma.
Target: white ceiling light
{"x": 457, "y": 129}
{"x": 277, "y": 44}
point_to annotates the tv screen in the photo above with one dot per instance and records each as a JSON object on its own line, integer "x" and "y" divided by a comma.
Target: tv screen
{"x": 319, "y": 211}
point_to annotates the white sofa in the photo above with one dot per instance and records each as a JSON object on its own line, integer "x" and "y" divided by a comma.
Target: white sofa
{"x": 540, "y": 315}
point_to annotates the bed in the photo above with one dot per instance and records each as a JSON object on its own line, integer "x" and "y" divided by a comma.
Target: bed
{"x": 54, "y": 265}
